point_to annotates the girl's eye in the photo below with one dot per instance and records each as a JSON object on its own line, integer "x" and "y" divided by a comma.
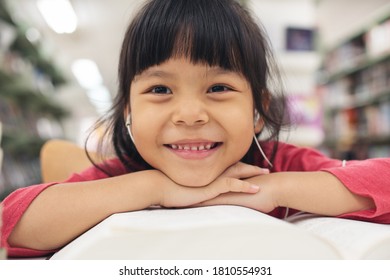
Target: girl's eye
{"x": 218, "y": 88}
{"x": 161, "y": 90}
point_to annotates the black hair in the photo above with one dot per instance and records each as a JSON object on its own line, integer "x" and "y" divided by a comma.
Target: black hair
{"x": 216, "y": 32}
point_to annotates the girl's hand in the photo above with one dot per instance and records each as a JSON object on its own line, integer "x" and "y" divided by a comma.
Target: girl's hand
{"x": 174, "y": 195}
{"x": 265, "y": 200}
{"x": 316, "y": 192}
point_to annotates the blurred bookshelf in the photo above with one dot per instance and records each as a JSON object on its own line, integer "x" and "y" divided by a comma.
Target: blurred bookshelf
{"x": 354, "y": 84}
{"x": 28, "y": 114}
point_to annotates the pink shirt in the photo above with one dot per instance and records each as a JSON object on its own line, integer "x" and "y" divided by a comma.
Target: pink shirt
{"x": 367, "y": 178}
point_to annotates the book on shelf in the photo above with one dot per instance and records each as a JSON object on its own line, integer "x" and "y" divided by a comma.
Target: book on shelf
{"x": 227, "y": 232}
{"x": 378, "y": 39}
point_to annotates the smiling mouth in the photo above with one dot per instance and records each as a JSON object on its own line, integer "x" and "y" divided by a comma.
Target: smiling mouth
{"x": 194, "y": 146}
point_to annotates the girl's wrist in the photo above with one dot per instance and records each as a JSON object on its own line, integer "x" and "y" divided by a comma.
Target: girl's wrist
{"x": 154, "y": 186}
{"x": 282, "y": 188}
{"x": 158, "y": 185}
{"x": 137, "y": 191}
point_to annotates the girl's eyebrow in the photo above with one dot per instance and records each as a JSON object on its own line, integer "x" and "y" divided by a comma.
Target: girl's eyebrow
{"x": 219, "y": 71}
{"x": 150, "y": 73}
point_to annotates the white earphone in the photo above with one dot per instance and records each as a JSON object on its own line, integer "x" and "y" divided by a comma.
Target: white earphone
{"x": 128, "y": 125}
{"x": 255, "y": 120}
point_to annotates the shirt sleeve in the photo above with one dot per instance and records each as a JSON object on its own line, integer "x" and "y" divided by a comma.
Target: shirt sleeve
{"x": 367, "y": 178}
{"x": 364, "y": 177}
{"x": 15, "y": 204}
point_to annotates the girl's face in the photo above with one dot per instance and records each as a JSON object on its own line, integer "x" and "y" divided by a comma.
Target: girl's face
{"x": 191, "y": 121}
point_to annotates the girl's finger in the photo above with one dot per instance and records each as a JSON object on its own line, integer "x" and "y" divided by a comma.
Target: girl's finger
{"x": 229, "y": 184}
{"x": 236, "y": 185}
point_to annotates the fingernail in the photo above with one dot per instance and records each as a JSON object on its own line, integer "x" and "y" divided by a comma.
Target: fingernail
{"x": 254, "y": 188}
{"x": 264, "y": 170}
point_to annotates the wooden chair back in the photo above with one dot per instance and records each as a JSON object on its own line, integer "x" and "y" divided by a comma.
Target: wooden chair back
{"x": 61, "y": 158}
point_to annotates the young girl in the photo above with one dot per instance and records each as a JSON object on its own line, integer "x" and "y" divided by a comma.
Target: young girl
{"x": 195, "y": 93}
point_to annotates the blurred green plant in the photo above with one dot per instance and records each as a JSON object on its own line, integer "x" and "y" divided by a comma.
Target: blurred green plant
{"x": 4, "y": 13}
{"x": 20, "y": 144}
{"x": 13, "y": 89}
{"x": 32, "y": 53}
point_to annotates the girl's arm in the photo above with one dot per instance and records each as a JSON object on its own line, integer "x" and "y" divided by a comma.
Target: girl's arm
{"x": 306, "y": 180}
{"x": 316, "y": 192}
{"x": 62, "y": 212}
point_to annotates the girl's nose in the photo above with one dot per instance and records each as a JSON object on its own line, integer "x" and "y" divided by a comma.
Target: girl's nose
{"x": 190, "y": 113}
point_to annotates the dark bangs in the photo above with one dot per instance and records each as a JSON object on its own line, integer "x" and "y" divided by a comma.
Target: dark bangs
{"x": 211, "y": 32}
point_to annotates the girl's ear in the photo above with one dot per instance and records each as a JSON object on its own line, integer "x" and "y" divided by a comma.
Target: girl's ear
{"x": 258, "y": 123}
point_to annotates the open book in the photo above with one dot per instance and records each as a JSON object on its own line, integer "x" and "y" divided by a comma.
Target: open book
{"x": 227, "y": 232}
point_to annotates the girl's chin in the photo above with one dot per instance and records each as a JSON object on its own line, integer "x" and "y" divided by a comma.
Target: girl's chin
{"x": 194, "y": 182}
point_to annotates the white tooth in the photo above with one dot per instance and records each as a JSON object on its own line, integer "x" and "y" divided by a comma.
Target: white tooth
{"x": 208, "y": 147}
{"x": 174, "y": 147}
{"x": 201, "y": 148}
{"x": 194, "y": 148}
{"x": 186, "y": 147}
{"x": 180, "y": 147}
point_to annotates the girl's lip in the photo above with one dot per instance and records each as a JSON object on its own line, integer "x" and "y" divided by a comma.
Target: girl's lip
{"x": 192, "y": 141}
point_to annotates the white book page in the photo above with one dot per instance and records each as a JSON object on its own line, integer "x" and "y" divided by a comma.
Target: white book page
{"x": 354, "y": 239}
{"x": 216, "y": 232}
{"x": 176, "y": 219}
